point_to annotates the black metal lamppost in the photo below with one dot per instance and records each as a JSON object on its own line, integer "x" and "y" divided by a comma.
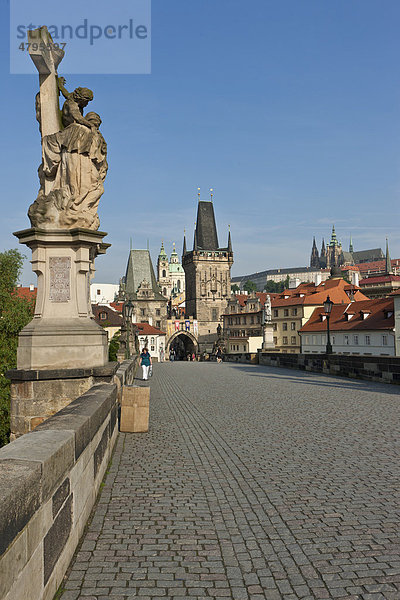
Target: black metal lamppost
{"x": 328, "y": 308}
{"x": 128, "y": 312}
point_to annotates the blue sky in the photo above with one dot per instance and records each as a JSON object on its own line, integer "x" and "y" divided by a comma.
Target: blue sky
{"x": 288, "y": 110}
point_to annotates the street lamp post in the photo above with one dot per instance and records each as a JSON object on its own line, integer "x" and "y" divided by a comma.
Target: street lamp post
{"x": 328, "y": 308}
{"x": 128, "y": 311}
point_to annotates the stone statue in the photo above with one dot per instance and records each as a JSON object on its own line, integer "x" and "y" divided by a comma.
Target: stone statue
{"x": 267, "y": 310}
{"x": 74, "y": 153}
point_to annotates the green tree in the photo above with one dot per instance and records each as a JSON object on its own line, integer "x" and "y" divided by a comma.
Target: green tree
{"x": 235, "y": 288}
{"x": 15, "y": 313}
{"x": 113, "y": 347}
{"x": 250, "y": 286}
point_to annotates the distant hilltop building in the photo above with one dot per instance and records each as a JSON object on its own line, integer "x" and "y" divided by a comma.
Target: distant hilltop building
{"x": 333, "y": 254}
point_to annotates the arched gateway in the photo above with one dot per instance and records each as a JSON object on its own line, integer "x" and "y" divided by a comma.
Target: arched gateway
{"x": 184, "y": 343}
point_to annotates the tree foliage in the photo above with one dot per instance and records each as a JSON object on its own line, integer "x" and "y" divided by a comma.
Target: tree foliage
{"x": 113, "y": 347}
{"x": 250, "y": 286}
{"x": 15, "y": 313}
{"x": 235, "y": 288}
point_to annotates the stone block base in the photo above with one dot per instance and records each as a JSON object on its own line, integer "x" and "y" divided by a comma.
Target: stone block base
{"x": 37, "y": 395}
{"x": 135, "y": 409}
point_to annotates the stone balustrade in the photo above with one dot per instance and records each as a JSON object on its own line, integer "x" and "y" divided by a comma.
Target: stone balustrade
{"x": 49, "y": 481}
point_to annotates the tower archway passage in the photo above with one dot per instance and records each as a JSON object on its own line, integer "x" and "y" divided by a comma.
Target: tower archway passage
{"x": 184, "y": 343}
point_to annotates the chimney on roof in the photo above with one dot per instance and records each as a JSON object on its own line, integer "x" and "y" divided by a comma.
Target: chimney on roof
{"x": 355, "y": 278}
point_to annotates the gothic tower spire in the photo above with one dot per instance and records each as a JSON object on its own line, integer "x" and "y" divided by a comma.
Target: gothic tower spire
{"x": 314, "y": 260}
{"x": 388, "y": 262}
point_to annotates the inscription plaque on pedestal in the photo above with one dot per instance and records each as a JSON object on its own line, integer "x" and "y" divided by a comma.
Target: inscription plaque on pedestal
{"x": 60, "y": 288}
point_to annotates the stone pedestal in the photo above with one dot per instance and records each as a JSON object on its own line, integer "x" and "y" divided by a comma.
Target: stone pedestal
{"x": 268, "y": 338}
{"x": 62, "y": 351}
{"x": 63, "y": 333}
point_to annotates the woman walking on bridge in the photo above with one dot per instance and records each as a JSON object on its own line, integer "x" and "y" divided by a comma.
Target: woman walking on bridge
{"x": 145, "y": 362}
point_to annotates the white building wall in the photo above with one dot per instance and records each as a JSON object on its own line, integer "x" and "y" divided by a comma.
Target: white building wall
{"x": 103, "y": 293}
{"x": 154, "y": 345}
{"x": 346, "y": 343}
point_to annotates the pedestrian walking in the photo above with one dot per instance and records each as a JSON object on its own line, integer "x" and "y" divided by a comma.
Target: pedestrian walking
{"x": 145, "y": 363}
{"x": 172, "y": 355}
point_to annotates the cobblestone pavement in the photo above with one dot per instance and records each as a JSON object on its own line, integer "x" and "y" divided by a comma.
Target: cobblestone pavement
{"x": 255, "y": 483}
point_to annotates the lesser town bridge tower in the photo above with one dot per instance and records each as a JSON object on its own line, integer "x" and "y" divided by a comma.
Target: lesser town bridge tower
{"x": 207, "y": 276}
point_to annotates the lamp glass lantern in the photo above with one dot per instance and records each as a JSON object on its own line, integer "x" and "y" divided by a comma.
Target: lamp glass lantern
{"x": 328, "y": 305}
{"x": 128, "y": 310}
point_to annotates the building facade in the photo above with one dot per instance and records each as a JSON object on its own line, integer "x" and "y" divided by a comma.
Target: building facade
{"x": 140, "y": 286}
{"x": 207, "y": 276}
{"x": 357, "y": 328}
{"x": 170, "y": 273}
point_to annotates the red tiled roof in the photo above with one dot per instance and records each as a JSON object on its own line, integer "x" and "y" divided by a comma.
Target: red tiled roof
{"x": 243, "y": 299}
{"x": 334, "y": 288}
{"x": 379, "y": 279}
{"x": 118, "y": 306}
{"x": 113, "y": 319}
{"x": 26, "y": 292}
{"x": 377, "y": 265}
{"x": 146, "y": 329}
{"x": 377, "y": 319}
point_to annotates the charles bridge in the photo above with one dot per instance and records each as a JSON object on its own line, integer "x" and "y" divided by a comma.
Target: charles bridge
{"x": 254, "y": 481}
{"x": 271, "y": 480}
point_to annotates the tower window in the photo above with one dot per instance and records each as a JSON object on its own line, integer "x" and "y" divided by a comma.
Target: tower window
{"x": 164, "y": 273}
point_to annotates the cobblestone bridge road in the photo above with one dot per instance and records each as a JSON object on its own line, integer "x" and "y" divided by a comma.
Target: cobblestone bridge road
{"x": 253, "y": 482}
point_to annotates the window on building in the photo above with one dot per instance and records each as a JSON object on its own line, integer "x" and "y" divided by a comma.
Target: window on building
{"x": 165, "y": 291}
{"x": 293, "y": 326}
{"x": 285, "y": 312}
{"x": 294, "y": 312}
{"x": 258, "y": 319}
{"x": 285, "y": 340}
{"x": 103, "y": 316}
{"x": 293, "y": 339}
{"x": 158, "y": 312}
{"x": 355, "y": 340}
{"x": 152, "y": 341}
{"x": 142, "y": 311}
{"x": 333, "y": 340}
{"x": 98, "y": 292}
{"x": 384, "y": 340}
{"x": 346, "y": 340}
{"x": 284, "y": 326}
{"x": 251, "y": 320}
{"x": 307, "y": 339}
{"x": 274, "y": 326}
{"x": 214, "y": 314}
{"x": 244, "y": 348}
{"x": 275, "y": 312}
{"x": 158, "y": 324}
{"x": 367, "y": 340}
{"x": 275, "y": 340}
{"x": 178, "y": 285}
{"x": 164, "y": 273}
{"x": 152, "y": 348}
{"x": 244, "y": 320}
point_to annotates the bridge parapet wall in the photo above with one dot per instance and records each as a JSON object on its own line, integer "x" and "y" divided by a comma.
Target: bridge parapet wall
{"x": 372, "y": 368}
{"x": 49, "y": 480}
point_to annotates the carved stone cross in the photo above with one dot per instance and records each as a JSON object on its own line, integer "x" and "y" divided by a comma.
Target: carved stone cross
{"x": 46, "y": 56}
